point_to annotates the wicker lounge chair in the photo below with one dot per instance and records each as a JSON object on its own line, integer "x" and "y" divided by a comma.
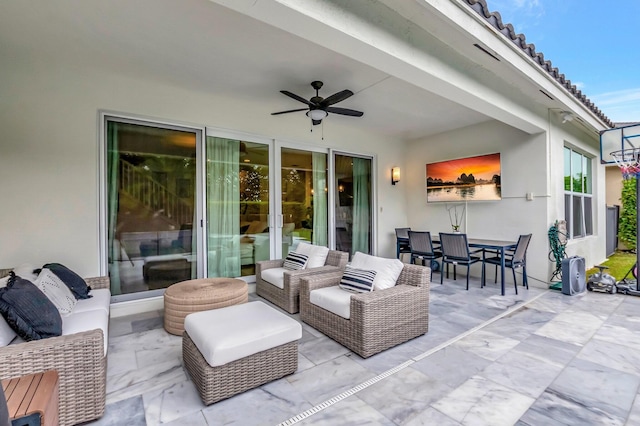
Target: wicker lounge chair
{"x": 379, "y": 319}
{"x": 79, "y": 360}
{"x": 288, "y": 297}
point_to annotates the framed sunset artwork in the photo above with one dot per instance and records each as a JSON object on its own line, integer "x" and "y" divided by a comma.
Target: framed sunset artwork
{"x": 465, "y": 179}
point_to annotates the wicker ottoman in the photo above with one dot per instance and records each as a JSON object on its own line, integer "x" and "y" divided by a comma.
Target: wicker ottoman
{"x": 231, "y": 350}
{"x": 204, "y": 294}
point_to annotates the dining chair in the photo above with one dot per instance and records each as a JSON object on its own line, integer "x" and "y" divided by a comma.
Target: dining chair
{"x": 402, "y": 241}
{"x": 513, "y": 259}
{"x": 421, "y": 247}
{"x": 455, "y": 251}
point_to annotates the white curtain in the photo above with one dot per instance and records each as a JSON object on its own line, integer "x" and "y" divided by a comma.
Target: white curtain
{"x": 223, "y": 207}
{"x": 319, "y": 165}
{"x": 361, "y": 206}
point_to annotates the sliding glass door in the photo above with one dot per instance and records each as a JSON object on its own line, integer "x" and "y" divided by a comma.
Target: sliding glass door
{"x": 353, "y": 203}
{"x": 303, "y": 206}
{"x": 182, "y": 203}
{"x": 237, "y": 206}
{"x": 151, "y": 205}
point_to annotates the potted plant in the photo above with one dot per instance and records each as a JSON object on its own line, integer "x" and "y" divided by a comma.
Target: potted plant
{"x": 456, "y": 218}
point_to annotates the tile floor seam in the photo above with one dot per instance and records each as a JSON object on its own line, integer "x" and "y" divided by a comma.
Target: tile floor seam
{"x": 352, "y": 391}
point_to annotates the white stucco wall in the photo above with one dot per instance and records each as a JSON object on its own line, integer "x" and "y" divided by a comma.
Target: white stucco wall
{"x": 49, "y": 153}
{"x": 528, "y": 166}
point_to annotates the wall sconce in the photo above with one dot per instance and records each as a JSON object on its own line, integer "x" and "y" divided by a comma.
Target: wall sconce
{"x": 395, "y": 175}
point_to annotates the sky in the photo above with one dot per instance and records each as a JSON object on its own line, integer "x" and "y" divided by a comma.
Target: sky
{"x": 594, "y": 43}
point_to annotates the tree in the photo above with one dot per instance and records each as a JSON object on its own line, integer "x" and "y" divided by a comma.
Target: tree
{"x": 627, "y": 229}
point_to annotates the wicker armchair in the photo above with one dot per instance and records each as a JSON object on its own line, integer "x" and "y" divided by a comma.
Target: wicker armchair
{"x": 380, "y": 319}
{"x": 288, "y": 297}
{"x": 79, "y": 360}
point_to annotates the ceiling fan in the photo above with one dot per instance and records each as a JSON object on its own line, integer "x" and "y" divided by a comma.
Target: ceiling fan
{"x": 318, "y": 107}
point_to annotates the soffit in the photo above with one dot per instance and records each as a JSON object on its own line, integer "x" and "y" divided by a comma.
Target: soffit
{"x": 206, "y": 47}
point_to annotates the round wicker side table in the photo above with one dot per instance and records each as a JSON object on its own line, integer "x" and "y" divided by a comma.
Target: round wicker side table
{"x": 186, "y": 297}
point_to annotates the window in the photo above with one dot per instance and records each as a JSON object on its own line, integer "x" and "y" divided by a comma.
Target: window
{"x": 578, "y": 193}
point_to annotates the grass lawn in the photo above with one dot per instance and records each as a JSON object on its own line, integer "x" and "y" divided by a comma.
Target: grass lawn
{"x": 619, "y": 264}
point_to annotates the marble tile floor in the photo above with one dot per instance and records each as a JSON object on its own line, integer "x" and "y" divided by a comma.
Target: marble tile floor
{"x": 539, "y": 358}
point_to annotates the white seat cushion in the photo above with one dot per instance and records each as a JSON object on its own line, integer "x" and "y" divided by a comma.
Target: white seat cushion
{"x": 227, "y": 334}
{"x": 274, "y": 276}
{"x": 101, "y": 300}
{"x": 387, "y": 270}
{"x": 333, "y": 299}
{"x": 78, "y": 322}
{"x": 317, "y": 254}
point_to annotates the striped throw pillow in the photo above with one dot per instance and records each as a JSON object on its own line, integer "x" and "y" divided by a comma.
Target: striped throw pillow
{"x": 295, "y": 261}
{"x": 357, "y": 280}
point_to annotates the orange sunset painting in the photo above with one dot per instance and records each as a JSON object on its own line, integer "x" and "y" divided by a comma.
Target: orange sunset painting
{"x": 465, "y": 179}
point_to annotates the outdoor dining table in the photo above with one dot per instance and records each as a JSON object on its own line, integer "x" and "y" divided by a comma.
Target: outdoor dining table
{"x": 498, "y": 245}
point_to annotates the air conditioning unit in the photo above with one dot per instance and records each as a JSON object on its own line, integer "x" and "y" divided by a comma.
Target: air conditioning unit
{"x": 573, "y": 275}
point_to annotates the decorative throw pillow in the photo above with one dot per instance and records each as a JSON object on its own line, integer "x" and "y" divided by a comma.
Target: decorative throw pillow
{"x": 317, "y": 254}
{"x": 295, "y": 261}
{"x": 56, "y": 290}
{"x": 387, "y": 270}
{"x": 357, "y": 280}
{"x": 28, "y": 311}
{"x": 76, "y": 284}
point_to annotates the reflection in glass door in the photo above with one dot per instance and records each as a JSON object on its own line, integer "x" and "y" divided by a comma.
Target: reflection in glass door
{"x": 151, "y": 206}
{"x": 237, "y": 206}
{"x": 353, "y": 204}
{"x": 304, "y": 198}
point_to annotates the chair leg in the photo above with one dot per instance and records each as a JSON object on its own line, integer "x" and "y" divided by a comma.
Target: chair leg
{"x": 495, "y": 279}
{"x": 442, "y": 272}
{"x": 468, "y": 269}
{"x": 454, "y": 272}
{"x": 482, "y": 281}
{"x": 525, "y": 282}
{"x": 515, "y": 282}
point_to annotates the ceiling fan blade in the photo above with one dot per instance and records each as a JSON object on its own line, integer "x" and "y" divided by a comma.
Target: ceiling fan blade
{"x": 336, "y": 97}
{"x": 345, "y": 111}
{"x": 291, "y": 110}
{"x": 296, "y": 97}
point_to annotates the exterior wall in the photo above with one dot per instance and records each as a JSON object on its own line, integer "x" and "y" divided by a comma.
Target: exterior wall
{"x": 593, "y": 247}
{"x": 49, "y": 162}
{"x": 529, "y": 165}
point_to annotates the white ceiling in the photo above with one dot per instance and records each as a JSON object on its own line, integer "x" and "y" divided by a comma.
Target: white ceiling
{"x": 206, "y": 47}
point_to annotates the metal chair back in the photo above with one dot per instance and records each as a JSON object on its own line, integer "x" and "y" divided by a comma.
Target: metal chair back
{"x": 521, "y": 250}
{"x": 402, "y": 233}
{"x": 455, "y": 246}
{"x": 420, "y": 243}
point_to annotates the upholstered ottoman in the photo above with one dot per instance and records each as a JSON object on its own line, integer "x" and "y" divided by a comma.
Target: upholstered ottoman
{"x": 184, "y": 298}
{"x": 231, "y": 350}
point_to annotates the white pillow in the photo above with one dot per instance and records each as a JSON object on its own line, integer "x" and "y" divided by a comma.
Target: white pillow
{"x": 4, "y": 281}
{"x": 317, "y": 254}
{"x": 6, "y": 332}
{"x": 25, "y": 271}
{"x": 387, "y": 270}
{"x": 56, "y": 291}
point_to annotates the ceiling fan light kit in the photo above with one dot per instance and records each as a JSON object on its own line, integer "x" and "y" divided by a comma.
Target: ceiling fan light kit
{"x": 319, "y": 107}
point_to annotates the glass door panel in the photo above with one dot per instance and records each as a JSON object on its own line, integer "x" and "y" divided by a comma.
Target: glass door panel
{"x": 237, "y": 206}
{"x": 353, "y": 203}
{"x": 151, "y": 206}
{"x": 304, "y": 198}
